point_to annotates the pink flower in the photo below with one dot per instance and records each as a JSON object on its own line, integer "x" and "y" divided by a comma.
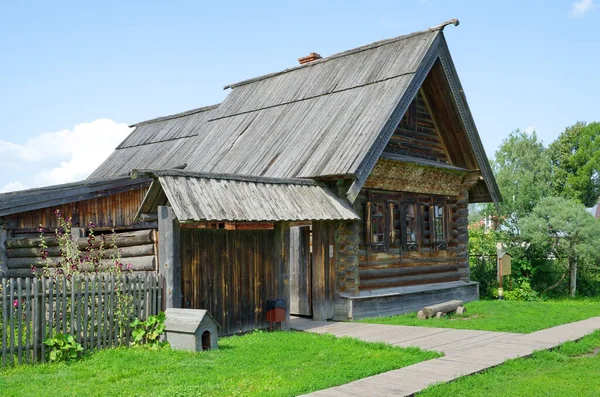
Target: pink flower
{"x": 16, "y": 303}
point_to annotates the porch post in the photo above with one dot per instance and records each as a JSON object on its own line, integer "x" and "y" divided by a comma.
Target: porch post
{"x": 169, "y": 255}
{"x": 282, "y": 267}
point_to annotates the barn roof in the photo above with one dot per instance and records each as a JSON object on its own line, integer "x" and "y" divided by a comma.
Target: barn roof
{"x": 330, "y": 118}
{"x": 32, "y": 199}
{"x": 217, "y": 197}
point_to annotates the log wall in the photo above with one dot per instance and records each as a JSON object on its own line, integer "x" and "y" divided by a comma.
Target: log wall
{"x": 395, "y": 268}
{"x": 137, "y": 248}
{"x": 416, "y": 135}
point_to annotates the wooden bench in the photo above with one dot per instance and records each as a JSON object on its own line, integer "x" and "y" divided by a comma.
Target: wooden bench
{"x": 441, "y": 309}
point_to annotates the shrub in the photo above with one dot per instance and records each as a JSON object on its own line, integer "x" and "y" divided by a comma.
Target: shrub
{"x": 63, "y": 348}
{"x": 523, "y": 292}
{"x": 148, "y": 332}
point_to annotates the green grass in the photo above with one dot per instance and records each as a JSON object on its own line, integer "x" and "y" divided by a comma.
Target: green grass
{"x": 260, "y": 364}
{"x": 506, "y": 316}
{"x": 563, "y": 372}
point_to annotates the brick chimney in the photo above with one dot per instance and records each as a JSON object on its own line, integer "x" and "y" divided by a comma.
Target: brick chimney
{"x": 313, "y": 56}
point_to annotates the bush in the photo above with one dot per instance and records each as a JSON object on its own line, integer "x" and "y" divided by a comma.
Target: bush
{"x": 523, "y": 292}
{"x": 63, "y": 348}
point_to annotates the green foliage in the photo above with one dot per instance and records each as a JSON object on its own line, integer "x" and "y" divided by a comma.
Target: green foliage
{"x": 562, "y": 229}
{"x": 256, "y": 364}
{"x": 482, "y": 257}
{"x": 523, "y": 292}
{"x": 149, "y": 332}
{"x": 506, "y": 316}
{"x": 63, "y": 348}
{"x": 523, "y": 173}
{"x": 575, "y": 156}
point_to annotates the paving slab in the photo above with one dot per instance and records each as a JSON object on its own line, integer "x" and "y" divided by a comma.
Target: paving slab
{"x": 466, "y": 352}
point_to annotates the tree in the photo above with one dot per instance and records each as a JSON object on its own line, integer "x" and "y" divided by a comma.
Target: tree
{"x": 575, "y": 157}
{"x": 564, "y": 230}
{"x": 523, "y": 173}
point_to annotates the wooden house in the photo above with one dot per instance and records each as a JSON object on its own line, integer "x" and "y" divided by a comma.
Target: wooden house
{"x": 340, "y": 185}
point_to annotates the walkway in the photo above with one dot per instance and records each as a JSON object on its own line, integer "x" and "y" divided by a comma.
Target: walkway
{"x": 466, "y": 352}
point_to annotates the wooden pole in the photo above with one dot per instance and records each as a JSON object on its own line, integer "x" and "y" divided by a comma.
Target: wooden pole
{"x": 3, "y": 256}
{"x": 169, "y": 255}
{"x": 499, "y": 267}
{"x": 281, "y": 267}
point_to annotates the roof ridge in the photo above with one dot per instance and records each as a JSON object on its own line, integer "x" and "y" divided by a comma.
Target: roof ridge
{"x": 376, "y": 44}
{"x": 176, "y": 115}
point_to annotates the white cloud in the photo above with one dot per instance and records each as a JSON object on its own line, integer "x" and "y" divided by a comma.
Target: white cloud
{"x": 529, "y": 130}
{"x": 582, "y": 7}
{"x": 59, "y": 157}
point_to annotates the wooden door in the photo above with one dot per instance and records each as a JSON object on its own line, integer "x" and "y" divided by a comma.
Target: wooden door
{"x": 300, "y": 271}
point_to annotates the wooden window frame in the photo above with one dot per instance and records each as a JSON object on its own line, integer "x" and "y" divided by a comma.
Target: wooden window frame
{"x": 397, "y": 204}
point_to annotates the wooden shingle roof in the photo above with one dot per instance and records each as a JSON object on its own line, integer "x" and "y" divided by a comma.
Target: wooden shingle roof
{"x": 330, "y": 118}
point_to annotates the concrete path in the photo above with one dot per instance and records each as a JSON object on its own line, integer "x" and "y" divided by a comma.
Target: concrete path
{"x": 466, "y": 352}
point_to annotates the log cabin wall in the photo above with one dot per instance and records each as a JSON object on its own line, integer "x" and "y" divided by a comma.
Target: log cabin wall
{"x": 137, "y": 249}
{"x": 395, "y": 266}
{"x": 230, "y": 273}
{"x": 116, "y": 210}
{"x": 416, "y": 135}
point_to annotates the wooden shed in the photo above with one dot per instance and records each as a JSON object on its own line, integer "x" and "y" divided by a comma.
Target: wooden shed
{"x": 340, "y": 185}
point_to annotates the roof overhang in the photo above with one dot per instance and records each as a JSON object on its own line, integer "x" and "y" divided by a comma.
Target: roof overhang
{"x": 33, "y": 199}
{"x": 200, "y": 197}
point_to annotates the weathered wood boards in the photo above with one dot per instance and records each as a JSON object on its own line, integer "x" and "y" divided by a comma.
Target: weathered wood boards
{"x": 300, "y": 271}
{"x": 85, "y": 306}
{"x": 231, "y": 274}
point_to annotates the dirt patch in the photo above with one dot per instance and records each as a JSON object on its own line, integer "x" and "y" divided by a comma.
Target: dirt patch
{"x": 464, "y": 318}
{"x": 593, "y": 353}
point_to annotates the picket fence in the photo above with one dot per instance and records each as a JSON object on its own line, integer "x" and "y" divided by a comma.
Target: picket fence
{"x": 96, "y": 309}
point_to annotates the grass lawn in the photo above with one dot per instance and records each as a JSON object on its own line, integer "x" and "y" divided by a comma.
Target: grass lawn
{"x": 507, "y": 316}
{"x": 260, "y": 364}
{"x": 567, "y": 371}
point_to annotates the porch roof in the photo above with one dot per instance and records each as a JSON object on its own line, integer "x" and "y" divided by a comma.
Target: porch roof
{"x": 197, "y": 197}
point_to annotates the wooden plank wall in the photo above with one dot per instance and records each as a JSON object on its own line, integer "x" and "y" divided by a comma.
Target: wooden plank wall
{"x": 300, "y": 271}
{"x": 116, "y": 210}
{"x": 230, "y": 273}
{"x": 323, "y": 269}
{"x": 394, "y": 268}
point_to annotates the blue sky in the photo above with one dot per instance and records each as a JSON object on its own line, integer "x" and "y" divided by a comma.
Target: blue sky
{"x": 74, "y": 74}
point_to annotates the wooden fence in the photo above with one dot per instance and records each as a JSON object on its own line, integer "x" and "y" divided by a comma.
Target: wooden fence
{"x": 96, "y": 309}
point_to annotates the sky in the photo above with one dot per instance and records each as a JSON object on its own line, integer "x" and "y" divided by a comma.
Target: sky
{"x": 74, "y": 75}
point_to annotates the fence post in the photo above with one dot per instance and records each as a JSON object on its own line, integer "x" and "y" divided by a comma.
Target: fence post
{"x": 169, "y": 258}
{"x": 3, "y": 257}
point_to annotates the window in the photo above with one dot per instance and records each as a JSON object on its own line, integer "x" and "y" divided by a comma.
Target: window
{"x": 439, "y": 227}
{"x": 406, "y": 222}
{"x": 377, "y": 230}
{"x": 410, "y": 218}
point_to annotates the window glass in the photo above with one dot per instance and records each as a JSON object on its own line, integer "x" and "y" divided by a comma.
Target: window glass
{"x": 411, "y": 226}
{"x": 377, "y": 223}
{"x": 439, "y": 227}
{"x": 395, "y": 225}
{"x": 425, "y": 226}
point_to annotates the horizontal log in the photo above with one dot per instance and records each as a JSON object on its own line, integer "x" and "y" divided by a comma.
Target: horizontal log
{"x": 30, "y": 242}
{"x": 371, "y": 274}
{"x": 138, "y": 264}
{"x": 445, "y": 307}
{"x": 135, "y": 250}
{"x": 415, "y": 279}
{"x": 124, "y": 239}
{"x": 26, "y": 263}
